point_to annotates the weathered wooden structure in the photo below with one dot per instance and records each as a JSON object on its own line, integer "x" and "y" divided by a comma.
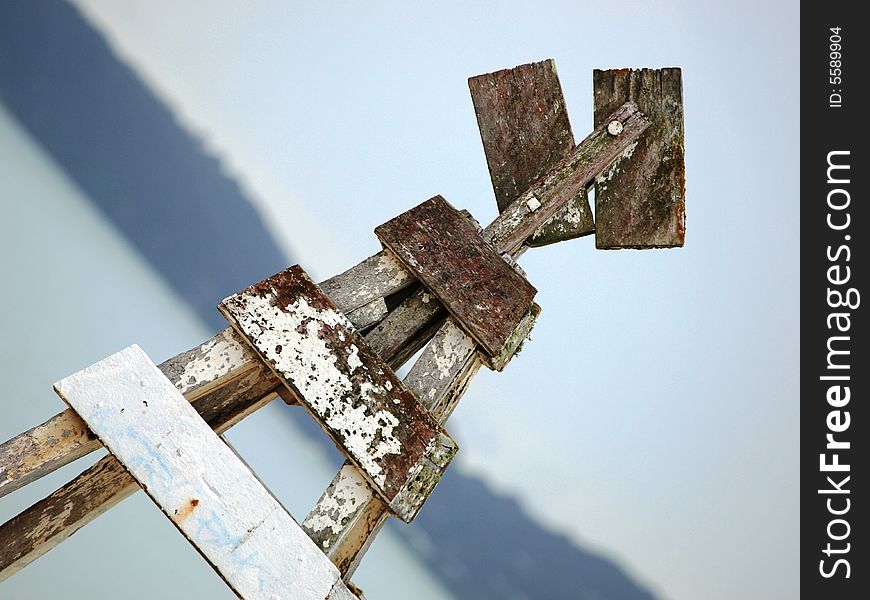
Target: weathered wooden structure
{"x": 454, "y": 290}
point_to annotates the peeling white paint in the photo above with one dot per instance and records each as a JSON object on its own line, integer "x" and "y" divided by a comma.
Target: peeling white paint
{"x": 451, "y": 347}
{"x": 610, "y": 173}
{"x": 309, "y": 364}
{"x": 217, "y": 358}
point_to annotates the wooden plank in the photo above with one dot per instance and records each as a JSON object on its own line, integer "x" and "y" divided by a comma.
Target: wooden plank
{"x": 348, "y": 515}
{"x": 446, "y": 253}
{"x": 50, "y": 521}
{"x": 641, "y": 201}
{"x": 53, "y": 519}
{"x": 376, "y": 277}
{"x": 354, "y": 395}
{"x": 524, "y": 127}
{"x": 369, "y": 314}
{"x": 196, "y": 480}
{"x": 218, "y": 364}
{"x": 548, "y": 195}
{"x": 412, "y": 316}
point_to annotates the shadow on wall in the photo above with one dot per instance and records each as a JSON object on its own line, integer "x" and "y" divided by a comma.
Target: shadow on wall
{"x": 173, "y": 202}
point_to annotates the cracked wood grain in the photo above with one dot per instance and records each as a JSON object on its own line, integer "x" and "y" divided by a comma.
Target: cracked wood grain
{"x": 198, "y": 482}
{"x": 641, "y": 201}
{"x": 353, "y": 395}
{"x": 524, "y": 127}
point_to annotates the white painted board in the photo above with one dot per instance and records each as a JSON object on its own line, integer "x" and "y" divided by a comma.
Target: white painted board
{"x": 197, "y": 480}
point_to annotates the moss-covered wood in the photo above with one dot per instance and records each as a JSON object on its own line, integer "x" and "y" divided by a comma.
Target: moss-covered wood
{"x": 641, "y": 201}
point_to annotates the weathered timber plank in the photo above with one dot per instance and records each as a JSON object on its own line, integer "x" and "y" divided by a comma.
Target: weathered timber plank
{"x": 215, "y": 364}
{"x": 196, "y": 480}
{"x": 564, "y": 181}
{"x": 348, "y": 515}
{"x": 50, "y": 521}
{"x": 525, "y": 131}
{"x": 445, "y": 252}
{"x": 413, "y": 315}
{"x": 641, "y": 201}
{"x": 35, "y": 453}
{"x": 354, "y": 395}
{"x": 442, "y": 373}
{"x": 376, "y": 277}
{"x": 53, "y": 519}
{"x": 515, "y": 342}
{"x": 369, "y": 314}
{"x": 45, "y": 530}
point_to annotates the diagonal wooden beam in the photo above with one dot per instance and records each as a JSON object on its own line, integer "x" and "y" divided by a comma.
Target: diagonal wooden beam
{"x": 53, "y": 519}
{"x": 216, "y": 365}
{"x": 203, "y": 488}
{"x": 50, "y": 521}
{"x": 524, "y": 127}
{"x": 353, "y": 395}
{"x": 641, "y": 201}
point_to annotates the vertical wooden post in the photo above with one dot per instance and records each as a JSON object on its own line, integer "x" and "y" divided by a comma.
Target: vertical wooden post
{"x": 640, "y": 202}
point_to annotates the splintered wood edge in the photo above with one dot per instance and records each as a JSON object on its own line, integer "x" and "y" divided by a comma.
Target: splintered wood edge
{"x": 196, "y": 480}
{"x": 401, "y": 450}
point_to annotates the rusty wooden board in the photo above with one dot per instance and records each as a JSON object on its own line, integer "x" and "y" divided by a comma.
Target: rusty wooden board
{"x": 641, "y": 201}
{"x": 525, "y": 131}
{"x": 444, "y": 250}
{"x": 354, "y": 395}
{"x": 207, "y": 492}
